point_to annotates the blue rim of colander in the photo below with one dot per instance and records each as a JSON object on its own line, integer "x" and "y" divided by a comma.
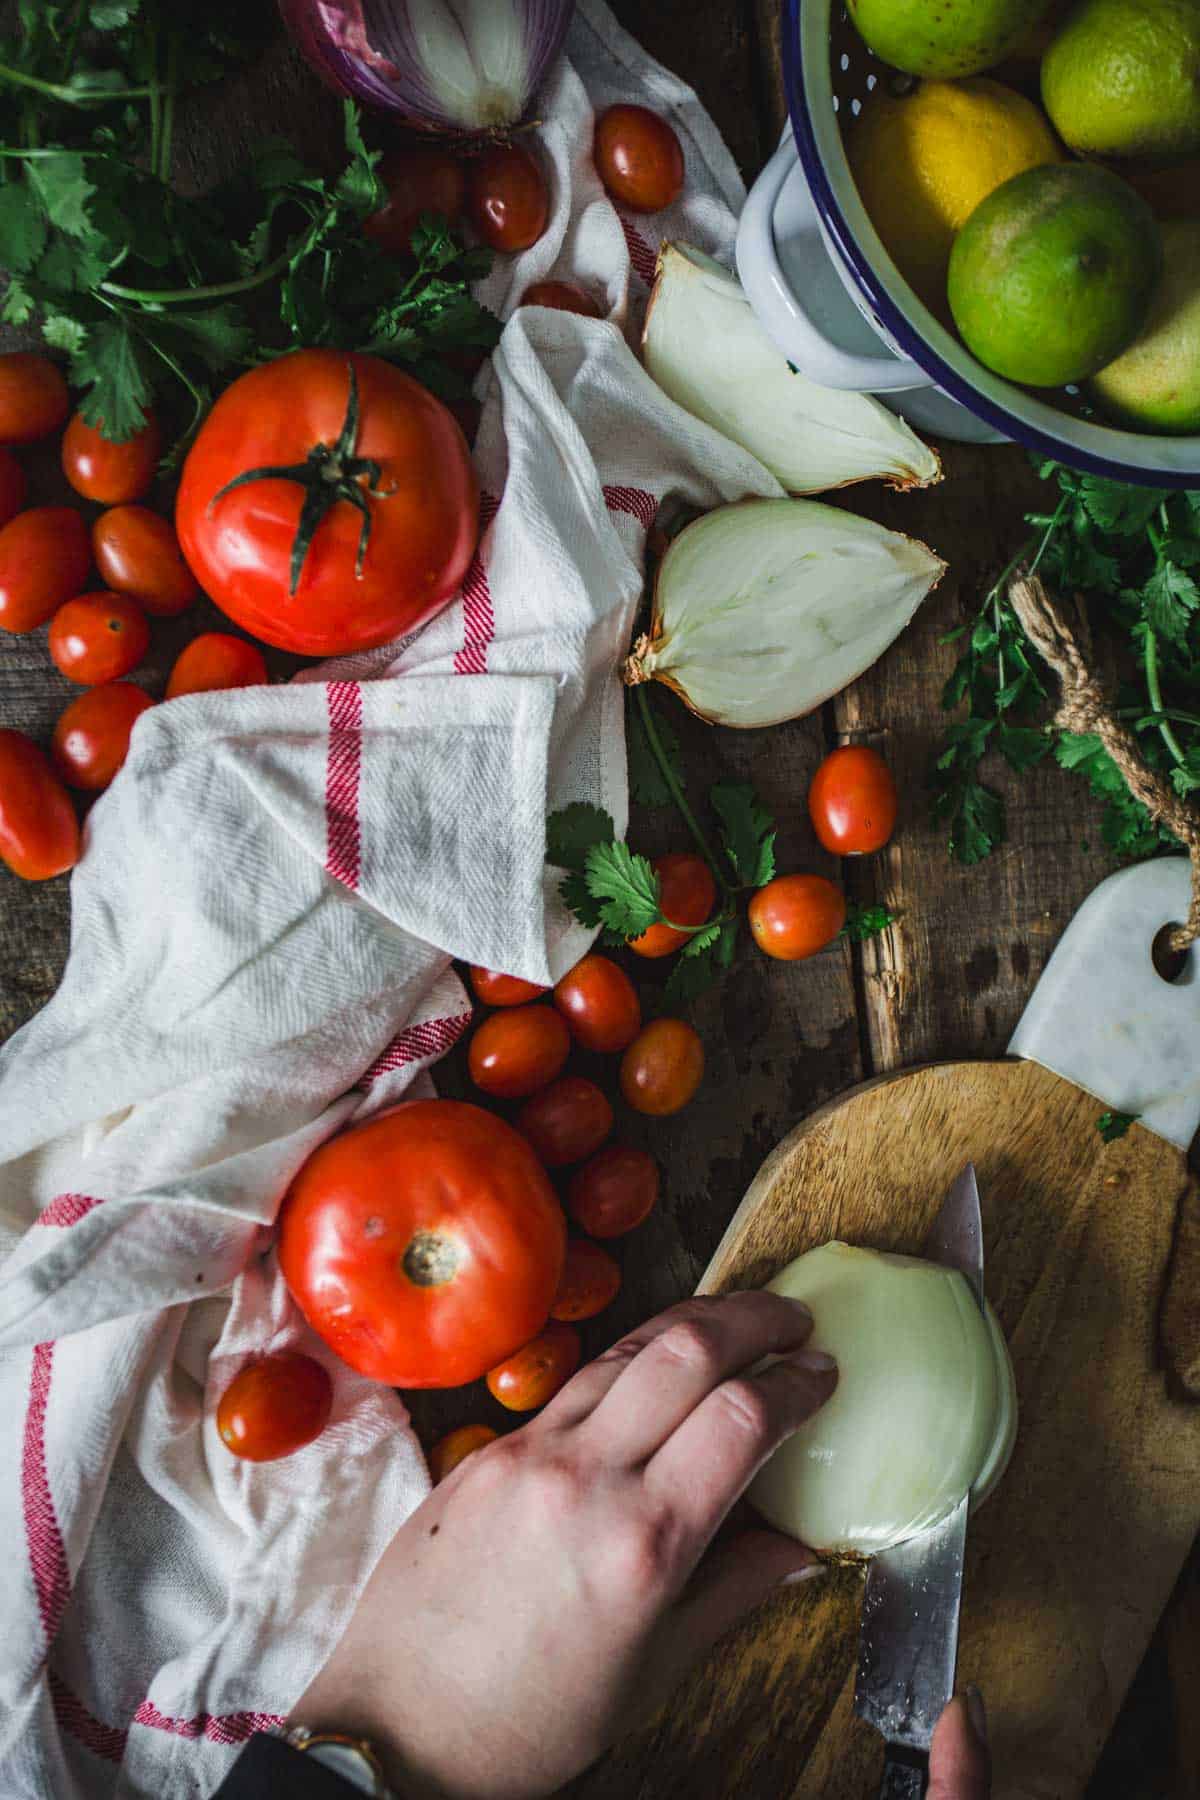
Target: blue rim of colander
{"x": 899, "y": 328}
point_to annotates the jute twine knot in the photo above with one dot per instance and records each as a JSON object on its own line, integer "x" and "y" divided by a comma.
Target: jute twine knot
{"x": 1085, "y": 707}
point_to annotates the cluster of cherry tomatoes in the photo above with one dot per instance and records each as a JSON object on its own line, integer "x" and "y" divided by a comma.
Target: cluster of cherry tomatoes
{"x": 97, "y": 635}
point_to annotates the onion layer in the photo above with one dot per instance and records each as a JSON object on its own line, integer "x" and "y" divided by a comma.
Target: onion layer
{"x": 924, "y": 1411}
{"x": 706, "y": 349}
{"x": 765, "y": 608}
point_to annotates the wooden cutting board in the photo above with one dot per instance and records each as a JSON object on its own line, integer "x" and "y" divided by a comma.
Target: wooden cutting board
{"x": 1091, "y": 1252}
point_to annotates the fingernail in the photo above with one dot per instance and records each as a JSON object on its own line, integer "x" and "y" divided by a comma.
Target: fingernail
{"x": 977, "y": 1713}
{"x": 816, "y": 1361}
{"x": 810, "y": 1572}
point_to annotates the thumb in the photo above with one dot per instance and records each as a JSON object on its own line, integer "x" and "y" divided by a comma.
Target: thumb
{"x": 959, "y": 1765}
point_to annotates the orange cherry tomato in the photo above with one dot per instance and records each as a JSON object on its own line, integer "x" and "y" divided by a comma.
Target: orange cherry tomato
{"x": 91, "y": 740}
{"x": 591, "y": 1280}
{"x": 110, "y": 473}
{"x": 216, "y": 660}
{"x": 600, "y": 1003}
{"x": 535, "y": 1373}
{"x": 14, "y": 486}
{"x": 33, "y": 397}
{"x": 424, "y": 1246}
{"x": 662, "y": 1068}
{"x": 638, "y": 158}
{"x": 853, "y": 801}
{"x": 614, "y": 1192}
{"x": 561, "y": 296}
{"x": 138, "y": 554}
{"x": 517, "y": 1051}
{"x": 274, "y": 1406}
{"x": 687, "y": 894}
{"x": 98, "y": 637}
{"x": 424, "y": 179}
{"x": 39, "y": 833}
{"x": 794, "y": 916}
{"x": 44, "y": 559}
{"x": 566, "y": 1121}
{"x": 502, "y": 990}
{"x": 508, "y": 199}
{"x": 456, "y": 1446}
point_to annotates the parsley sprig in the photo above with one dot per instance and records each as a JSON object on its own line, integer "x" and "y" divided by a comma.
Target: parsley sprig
{"x": 1134, "y": 554}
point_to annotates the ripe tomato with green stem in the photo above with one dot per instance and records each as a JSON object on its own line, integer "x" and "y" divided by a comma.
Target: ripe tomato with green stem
{"x": 108, "y": 472}
{"x": 33, "y": 397}
{"x": 534, "y": 1373}
{"x": 614, "y": 1191}
{"x": 853, "y": 801}
{"x": 600, "y": 1004}
{"x": 137, "y": 553}
{"x": 518, "y": 1050}
{"x": 98, "y": 637}
{"x": 216, "y": 660}
{"x": 44, "y": 560}
{"x": 39, "y": 833}
{"x": 91, "y": 739}
{"x": 794, "y": 916}
{"x": 424, "y": 178}
{"x": 274, "y": 1406}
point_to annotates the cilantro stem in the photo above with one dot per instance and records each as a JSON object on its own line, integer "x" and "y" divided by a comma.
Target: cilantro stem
{"x": 54, "y": 90}
{"x": 1154, "y": 689}
{"x": 1156, "y": 718}
{"x": 167, "y": 127}
{"x": 72, "y": 43}
{"x": 674, "y": 789}
{"x": 184, "y": 296}
{"x": 155, "y": 95}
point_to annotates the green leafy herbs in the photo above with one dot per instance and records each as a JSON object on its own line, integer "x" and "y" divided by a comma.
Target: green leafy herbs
{"x": 156, "y": 297}
{"x": 1114, "y": 1125}
{"x": 1133, "y": 553}
{"x": 863, "y": 922}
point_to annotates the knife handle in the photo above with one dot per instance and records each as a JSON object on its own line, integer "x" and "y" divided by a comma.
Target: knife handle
{"x": 905, "y": 1773}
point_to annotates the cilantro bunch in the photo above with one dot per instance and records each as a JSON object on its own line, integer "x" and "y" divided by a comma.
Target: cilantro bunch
{"x": 155, "y": 296}
{"x": 1133, "y": 554}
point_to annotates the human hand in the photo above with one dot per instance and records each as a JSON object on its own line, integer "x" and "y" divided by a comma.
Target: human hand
{"x": 547, "y": 1592}
{"x": 959, "y": 1764}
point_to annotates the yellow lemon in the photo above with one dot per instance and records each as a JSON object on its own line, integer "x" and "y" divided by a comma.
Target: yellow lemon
{"x": 924, "y": 160}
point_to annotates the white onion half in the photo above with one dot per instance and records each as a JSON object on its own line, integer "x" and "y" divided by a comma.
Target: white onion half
{"x": 704, "y": 347}
{"x": 765, "y": 608}
{"x": 925, "y": 1408}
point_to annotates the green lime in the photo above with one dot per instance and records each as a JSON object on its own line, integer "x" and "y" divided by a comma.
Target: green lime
{"x": 951, "y": 37}
{"x": 1051, "y": 276}
{"x": 1155, "y": 385}
{"x": 1122, "y": 78}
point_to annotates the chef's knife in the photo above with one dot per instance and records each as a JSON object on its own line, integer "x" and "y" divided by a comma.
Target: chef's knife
{"x": 908, "y": 1643}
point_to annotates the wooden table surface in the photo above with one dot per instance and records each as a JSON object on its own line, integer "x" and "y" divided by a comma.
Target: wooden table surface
{"x": 948, "y": 979}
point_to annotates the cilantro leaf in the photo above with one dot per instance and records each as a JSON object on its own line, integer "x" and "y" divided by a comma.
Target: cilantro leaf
{"x": 1114, "y": 1125}
{"x": 747, "y": 832}
{"x": 1170, "y": 597}
{"x": 646, "y": 782}
{"x": 573, "y": 892}
{"x": 626, "y": 887}
{"x": 574, "y": 830}
{"x": 114, "y": 365}
{"x": 1117, "y": 507}
{"x": 1022, "y": 746}
{"x": 863, "y": 922}
{"x": 702, "y": 940}
{"x": 690, "y": 977}
{"x": 64, "y": 190}
{"x": 23, "y": 227}
{"x": 18, "y": 304}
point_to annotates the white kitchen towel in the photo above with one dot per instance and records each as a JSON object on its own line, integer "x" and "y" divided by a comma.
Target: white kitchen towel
{"x": 262, "y": 927}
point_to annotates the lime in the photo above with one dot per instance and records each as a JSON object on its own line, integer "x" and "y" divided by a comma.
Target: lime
{"x": 953, "y": 37}
{"x": 1155, "y": 385}
{"x": 1051, "y": 276}
{"x": 1122, "y": 78}
{"x": 924, "y": 160}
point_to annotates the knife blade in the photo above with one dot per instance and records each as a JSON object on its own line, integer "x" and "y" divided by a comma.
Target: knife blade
{"x": 908, "y": 1642}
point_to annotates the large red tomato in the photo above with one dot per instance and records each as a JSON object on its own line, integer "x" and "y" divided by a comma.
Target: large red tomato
{"x": 425, "y": 1246}
{"x": 328, "y": 503}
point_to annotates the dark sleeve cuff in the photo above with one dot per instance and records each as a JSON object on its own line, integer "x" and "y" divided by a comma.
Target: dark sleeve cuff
{"x": 269, "y": 1769}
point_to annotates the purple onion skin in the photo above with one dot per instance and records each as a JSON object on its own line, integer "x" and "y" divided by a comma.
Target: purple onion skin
{"x": 362, "y": 49}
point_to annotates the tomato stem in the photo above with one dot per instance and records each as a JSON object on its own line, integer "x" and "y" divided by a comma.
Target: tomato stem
{"x": 675, "y": 791}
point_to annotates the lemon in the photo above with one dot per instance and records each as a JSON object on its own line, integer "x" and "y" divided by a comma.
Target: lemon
{"x": 924, "y": 161}
{"x": 1122, "y": 78}
{"x": 1155, "y": 385}
{"x": 1051, "y": 276}
{"x": 944, "y": 37}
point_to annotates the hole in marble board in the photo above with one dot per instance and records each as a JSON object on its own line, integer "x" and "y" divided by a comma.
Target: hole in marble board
{"x": 1168, "y": 962}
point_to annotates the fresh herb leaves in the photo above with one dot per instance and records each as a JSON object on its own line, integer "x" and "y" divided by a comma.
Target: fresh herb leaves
{"x": 863, "y": 922}
{"x": 1114, "y": 1125}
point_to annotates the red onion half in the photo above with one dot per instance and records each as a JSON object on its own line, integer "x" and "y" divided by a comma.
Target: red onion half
{"x": 462, "y": 66}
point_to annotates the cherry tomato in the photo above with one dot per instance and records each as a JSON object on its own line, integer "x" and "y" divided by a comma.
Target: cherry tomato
{"x": 98, "y": 637}
{"x": 33, "y": 397}
{"x": 535, "y": 1373}
{"x": 13, "y": 486}
{"x": 600, "y": 1003}
{"x": 138, "y": 554}
{"x": 561, "y": 296}
{"x": 424, "y": 1246}
{"x": 853, "y": 801}
{"x": 566, "y": 1121}
{"x": 794, "y": 916}
{"x": 517, "y": 1051}
{"x": 274, "y": 1406}
{"x": 613, "y": 1192}
{"x": 91, "y": 740}
{"x": 108, "y": 472}
{"x": 39, "y": 833}
{"x": 216, "y": 660}
{"x": 285, "y": 556}
{"x": 638, "y": 158}
{"x": 687, "y": 894}
{"x": 44, "y": 559}
{"x": 508, "y": 200}
{"x": 591, "y": 1280}
{"x": 502, "y": 990}
{"x": 456, "y": 1446}
{"x": 662, "y": 1068}
{"x": 424, "y": 179}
